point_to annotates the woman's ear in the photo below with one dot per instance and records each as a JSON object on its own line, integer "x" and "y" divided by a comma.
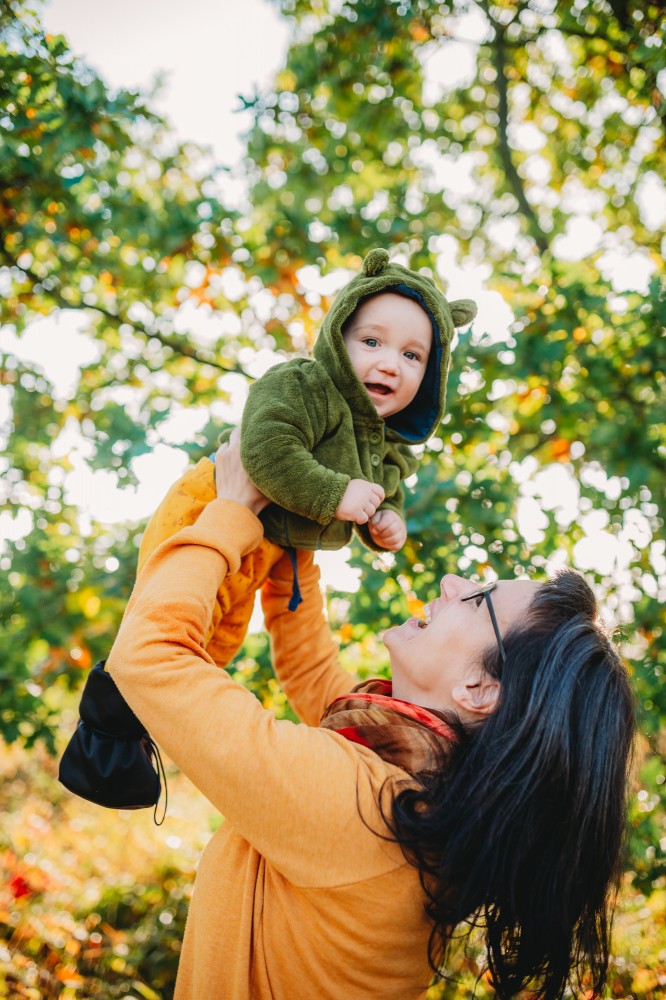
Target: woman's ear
{"x": 477, "y": 696}
{"x": 463, "y": 311}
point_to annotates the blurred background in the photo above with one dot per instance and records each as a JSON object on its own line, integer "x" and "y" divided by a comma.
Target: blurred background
{"x": 182, "y": 192}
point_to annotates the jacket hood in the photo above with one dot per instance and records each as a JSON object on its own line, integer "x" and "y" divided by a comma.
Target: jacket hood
{"x": 422, "y": 416}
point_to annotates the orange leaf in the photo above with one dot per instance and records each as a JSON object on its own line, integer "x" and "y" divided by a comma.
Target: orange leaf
{"x": 415, "y": 607}
{"x": 419, "y": 33}
{"x": 560, "y": 450}
{"x": 69, "y": 977}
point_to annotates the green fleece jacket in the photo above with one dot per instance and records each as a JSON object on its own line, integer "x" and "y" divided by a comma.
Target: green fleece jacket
{"x": 309, "y": 426}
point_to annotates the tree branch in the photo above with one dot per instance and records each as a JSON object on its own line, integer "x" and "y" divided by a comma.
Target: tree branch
{"x": 619, "y": 8}
{"x": 658, "y": 103}
{"x": 574, "y": 30}
{"x": 512, "y": 175}
{"x": 170, "y": 342}
{"x": 164, "y": 339}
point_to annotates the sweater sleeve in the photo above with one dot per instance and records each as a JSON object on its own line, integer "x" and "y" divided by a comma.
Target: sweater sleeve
{"x": 295, "y": 793}
{"x": 303, "y": 651}
{"x": 282, "y": 423}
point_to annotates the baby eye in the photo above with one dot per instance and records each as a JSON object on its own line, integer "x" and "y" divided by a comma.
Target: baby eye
{"x": 371, "y": 342}
{"x": 478, "y": 600}
{"x": 412, "y": 356}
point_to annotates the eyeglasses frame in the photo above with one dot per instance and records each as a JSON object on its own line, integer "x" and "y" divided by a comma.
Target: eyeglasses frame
{"x": 486, "y": 591}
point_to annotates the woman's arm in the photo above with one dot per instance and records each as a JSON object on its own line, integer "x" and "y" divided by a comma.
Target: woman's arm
{"x": 292, "y": 791}
{"x": 303, "y": 651}
{"x": 304, "y": 654}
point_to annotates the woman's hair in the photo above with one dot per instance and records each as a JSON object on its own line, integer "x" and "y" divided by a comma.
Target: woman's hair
{"x": 522, "y": 828}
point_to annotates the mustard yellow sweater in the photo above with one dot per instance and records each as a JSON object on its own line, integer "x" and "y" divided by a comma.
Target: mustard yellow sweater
{"x": 295, "y": 896}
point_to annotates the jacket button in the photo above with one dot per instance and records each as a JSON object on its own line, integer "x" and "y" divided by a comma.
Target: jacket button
{"x": 375, "y": 438}
{"x": 375, "y": 460}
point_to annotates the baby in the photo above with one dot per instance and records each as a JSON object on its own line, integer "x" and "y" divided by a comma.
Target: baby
{"x": 328, "y": 439}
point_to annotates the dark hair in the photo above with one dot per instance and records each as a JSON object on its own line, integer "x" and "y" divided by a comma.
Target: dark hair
{"x": 521, "y": 830}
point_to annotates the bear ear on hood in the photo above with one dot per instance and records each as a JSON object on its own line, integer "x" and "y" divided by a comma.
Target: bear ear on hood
{"x": 463, "y": 311}
{"x": 375, "y": 262}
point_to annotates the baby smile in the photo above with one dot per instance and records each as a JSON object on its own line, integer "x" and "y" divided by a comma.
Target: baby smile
{"x": 383, "y": 390}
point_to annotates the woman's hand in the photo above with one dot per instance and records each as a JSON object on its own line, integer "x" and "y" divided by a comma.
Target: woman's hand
{"x": 232, "y": 481}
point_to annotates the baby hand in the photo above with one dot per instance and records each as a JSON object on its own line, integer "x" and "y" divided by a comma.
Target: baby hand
{"x": 388, "y": 530}
{"x": 359, "y": 501}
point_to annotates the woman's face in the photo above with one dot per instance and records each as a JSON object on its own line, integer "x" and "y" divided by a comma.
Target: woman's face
{"x": 439, "y": 666}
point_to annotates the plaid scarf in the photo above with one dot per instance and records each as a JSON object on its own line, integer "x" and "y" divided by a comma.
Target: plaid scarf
{"x": 410, "y": 736}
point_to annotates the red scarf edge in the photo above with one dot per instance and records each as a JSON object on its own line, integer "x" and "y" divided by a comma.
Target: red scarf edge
{"x": 407, "y": 708}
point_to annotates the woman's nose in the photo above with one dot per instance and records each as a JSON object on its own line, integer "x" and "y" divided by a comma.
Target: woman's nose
{"x": 451, "y": 585}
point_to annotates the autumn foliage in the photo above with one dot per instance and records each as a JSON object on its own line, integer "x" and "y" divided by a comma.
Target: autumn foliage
{"x": 552, "y": 450}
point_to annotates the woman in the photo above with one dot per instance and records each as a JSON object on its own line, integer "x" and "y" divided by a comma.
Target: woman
{"x": 491, "y": 782}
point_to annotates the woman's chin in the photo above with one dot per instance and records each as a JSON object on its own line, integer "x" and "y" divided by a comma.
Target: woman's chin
{"x": 389, "y": 635}
{"x": 401, "y": 633}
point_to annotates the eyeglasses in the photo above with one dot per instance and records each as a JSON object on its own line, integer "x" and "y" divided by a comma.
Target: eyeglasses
{"x": 482, "y": 592}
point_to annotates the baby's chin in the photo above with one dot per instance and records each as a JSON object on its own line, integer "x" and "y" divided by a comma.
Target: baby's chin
{"x": 385, "y": 408}
{"x": 388, "y": 406}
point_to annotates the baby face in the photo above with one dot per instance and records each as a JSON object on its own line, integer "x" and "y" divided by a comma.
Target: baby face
{"x": 388, "y": 340}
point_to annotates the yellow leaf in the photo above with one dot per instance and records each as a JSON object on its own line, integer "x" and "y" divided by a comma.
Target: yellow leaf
{"x": 145, "y": 991}
{"x": 346, "y": 632}
{"x": 286, "y": 80}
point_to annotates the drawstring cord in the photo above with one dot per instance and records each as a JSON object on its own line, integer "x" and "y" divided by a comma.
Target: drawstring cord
{"x": 160, "y": 773}
{"x": 296, "y": 598}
